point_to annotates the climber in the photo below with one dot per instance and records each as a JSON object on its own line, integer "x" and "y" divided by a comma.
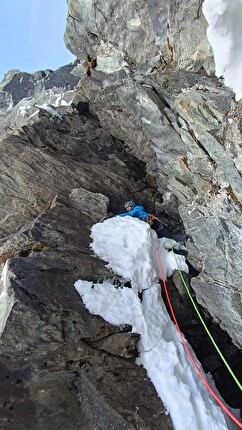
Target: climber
{"x": 138, "y": 211}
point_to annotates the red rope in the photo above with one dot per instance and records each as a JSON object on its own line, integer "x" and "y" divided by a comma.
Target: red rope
{"x": 221, "y": 404}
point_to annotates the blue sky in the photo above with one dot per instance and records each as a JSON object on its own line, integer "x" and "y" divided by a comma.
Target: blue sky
{"x": 31, "y": 35}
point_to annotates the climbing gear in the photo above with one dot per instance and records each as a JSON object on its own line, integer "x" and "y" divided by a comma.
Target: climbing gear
{"x": 129, "y": 204}
{"x": 205, "y": 326}
{"x": 150, "y": 219}
{"x": 185, "y": 345}
{"x": 154, "y": 223}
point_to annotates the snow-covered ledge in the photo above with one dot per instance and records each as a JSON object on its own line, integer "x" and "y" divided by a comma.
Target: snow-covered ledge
{"x": 131, "y": 249}
{"x": 6, "y": 298}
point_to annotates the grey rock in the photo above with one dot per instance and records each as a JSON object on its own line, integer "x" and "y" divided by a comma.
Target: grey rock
{"x": 185, "y": 126}
{"x": 60, "y": 357}
{"x": 21, "y": 92}
{"x": 60, "y": 156}
{"x": 150, "y": 122}
{"x": 95, "y": 204}
{"x": 174, "y": 32}
{"x": 76, "y": 169}
{"x": 118, "y": 344}
{"x": 22, "y": 85}
{"x": 138, "y": 411}
{"x": 178, "y": 282}
{"x": 6, "y": 102}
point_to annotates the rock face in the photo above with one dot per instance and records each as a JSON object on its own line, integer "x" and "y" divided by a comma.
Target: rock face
{"x": 154, "y": 33}
{"x": 53, "y": 352}
{"x": 60, "y": 173}
{"x": 165, "y": 104}
{"x": 151, "y": 122}
{"x": 21, "y": 92}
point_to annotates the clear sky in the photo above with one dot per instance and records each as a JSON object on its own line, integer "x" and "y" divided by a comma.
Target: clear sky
{"x": 31, "y": 35}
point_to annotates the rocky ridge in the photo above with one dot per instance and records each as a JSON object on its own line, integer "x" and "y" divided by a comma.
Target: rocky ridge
{"x": 179, "y": 119}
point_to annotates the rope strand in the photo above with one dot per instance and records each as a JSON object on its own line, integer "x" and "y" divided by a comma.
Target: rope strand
{"x": 216, "y": 398}
{"x": 205, "y": 326}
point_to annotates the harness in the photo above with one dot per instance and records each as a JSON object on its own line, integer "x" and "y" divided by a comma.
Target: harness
{"x": 150, "y": 219}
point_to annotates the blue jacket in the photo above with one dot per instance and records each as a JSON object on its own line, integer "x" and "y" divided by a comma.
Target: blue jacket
{"x": 136, "y": 212}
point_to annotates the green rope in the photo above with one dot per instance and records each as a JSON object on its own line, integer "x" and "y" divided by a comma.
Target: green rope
{"x": 205, "y": 327}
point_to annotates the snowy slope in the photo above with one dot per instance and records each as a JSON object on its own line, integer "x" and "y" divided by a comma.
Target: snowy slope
{"x": 130, "y": 248}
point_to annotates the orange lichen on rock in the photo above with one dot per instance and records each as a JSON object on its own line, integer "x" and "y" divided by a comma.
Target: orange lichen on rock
{"x": 183, "y": 162}
{"x": 191, "y": 132}
{"x": 4, "y": 257}
{"x": 92, "y": 62}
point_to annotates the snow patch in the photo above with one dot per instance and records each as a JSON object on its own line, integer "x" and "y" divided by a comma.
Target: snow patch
{"x": 224, "y": 35}
{"x": 6, "y": 298}
{"x": 50, "y": 110}
{"x": 22, "y": 110}
{"x": 131, "y": 249}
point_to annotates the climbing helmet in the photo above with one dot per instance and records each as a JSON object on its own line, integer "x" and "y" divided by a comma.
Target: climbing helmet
{"x": 130, "y": 203}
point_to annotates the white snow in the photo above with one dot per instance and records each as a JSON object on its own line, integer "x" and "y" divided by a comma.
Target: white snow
{"x": 131, "y": 250}
{"x": 224, "y": 33}
{"x": 23, "y": 109}
{"x": 54, "y": 99}
{"x": 33, "y": 114}
{"x": 6, "y": 298}
{"x": 50, "y": 110}
{"x": 60, "y": 99}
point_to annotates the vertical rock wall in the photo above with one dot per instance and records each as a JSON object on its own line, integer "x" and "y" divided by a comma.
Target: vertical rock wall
{"x": 60, "y": 172}
{"x": 153, "y": 88}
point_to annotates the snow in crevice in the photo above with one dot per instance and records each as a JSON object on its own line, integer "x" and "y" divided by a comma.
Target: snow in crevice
{"x": 46, "y": 100}
{"x": 50, "y": 110}
{"x": 130, "y": 249}
{"x": 6, "y": 298}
